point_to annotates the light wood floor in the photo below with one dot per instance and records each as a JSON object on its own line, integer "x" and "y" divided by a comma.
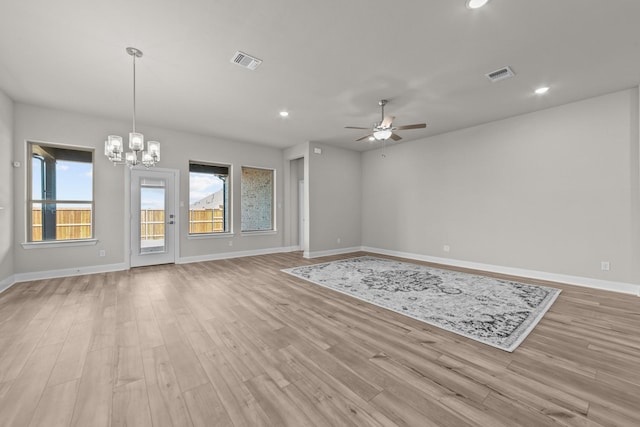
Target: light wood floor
{"x": 239, "y": 343}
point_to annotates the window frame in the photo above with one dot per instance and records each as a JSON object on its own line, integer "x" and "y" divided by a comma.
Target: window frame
{"x": 31, "y": 201}
{"x": 273, "y": 228}
{"x": 227, "y": 198}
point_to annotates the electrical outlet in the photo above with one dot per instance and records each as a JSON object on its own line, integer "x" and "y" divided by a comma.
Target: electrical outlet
{"x": 339, "y": 240}
{"x": 103, "y": 252}
{"x": 605, "y": 266}
{"x": 230, "y": 242}
{"x": 446, "y": 248}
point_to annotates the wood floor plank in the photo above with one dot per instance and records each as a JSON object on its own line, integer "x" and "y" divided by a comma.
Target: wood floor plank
{"x": 105, "y": 325}
{"x": 71, "y": 360}
{"x": 165, "y": 399}
{"x": 347, "y": 400}
{"x": 611, "y": 417}
{"x": 59, "y": 326}
{"x": 400, "y": 413}
{"x": 186, "y": 366}
{"x": 148, "y": 331}
{"x": 565, "y": 408}
{"x": 4, "y": 388}
{"x": 94, "y": 402}
{"x": 55, "y": 407}
{"x": 339, "y": 370}
{"x": 21, "y": 399}
{"x": 278, "y": 407}
{"x": 131, "y": 405}
{"x": 337, "y": 412}
{"x": 238, "y": 342}
{"x": 240, "y": 404}
{"x": 205, "y": 408}
{"x": 15, "y": 355}
{"x": 520, "y": 416}
{"x": 129, "y": 368}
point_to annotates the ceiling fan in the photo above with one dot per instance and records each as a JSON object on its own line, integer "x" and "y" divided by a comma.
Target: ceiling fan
{"x": 384, "y": 129}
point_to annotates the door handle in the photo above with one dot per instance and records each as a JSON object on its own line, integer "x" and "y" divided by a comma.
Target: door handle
{"x": 170, "y": 222}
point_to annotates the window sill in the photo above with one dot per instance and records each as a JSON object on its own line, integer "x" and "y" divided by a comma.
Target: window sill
{"x": 258, "y": 233}
{"x": 59, "y": 244}
{"x": 209, "y": 236}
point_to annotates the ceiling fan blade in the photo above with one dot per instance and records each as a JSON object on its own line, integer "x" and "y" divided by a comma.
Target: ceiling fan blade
{"x": 396, "y": 137}
{"x": 386, "y": 122}
{"x": 364, "y": 137}
{"x": 416, "y": 126}
{"x": 356, "y": 127}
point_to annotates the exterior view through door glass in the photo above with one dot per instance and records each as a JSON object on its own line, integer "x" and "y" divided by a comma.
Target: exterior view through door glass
{"x": 153, "y": 218}
{"x": 152, "y": 215}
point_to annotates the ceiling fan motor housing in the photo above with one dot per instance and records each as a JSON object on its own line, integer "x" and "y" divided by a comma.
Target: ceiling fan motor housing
{"x": 383, "y": 129}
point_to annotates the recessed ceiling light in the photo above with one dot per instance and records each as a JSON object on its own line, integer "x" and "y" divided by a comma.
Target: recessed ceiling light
{"x": 476, "y": 4}
{"x": 542, "y": 90}
{"x": 284, "y": 113}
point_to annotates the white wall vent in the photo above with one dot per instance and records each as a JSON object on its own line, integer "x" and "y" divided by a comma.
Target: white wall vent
{"x": 246, "y": 61}
{"x": 501, "y": 74}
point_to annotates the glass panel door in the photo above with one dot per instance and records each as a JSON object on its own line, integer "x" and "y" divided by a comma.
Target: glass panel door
{"x": 153, "y": 217}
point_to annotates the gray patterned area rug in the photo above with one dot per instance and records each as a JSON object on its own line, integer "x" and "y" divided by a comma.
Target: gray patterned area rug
{"x": 500, "y": 313}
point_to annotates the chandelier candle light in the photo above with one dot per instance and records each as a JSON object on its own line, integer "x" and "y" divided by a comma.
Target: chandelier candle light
{"x": 113, "y": 145}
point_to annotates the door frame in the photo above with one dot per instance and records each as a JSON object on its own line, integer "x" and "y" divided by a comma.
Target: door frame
{"x": 128, "y": 251}
{"x": 301, "y": 214}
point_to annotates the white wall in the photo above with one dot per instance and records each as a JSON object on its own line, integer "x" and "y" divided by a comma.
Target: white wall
{"x": 553, "y": 191}
{"x": 295, "y": 176}
{"x": 6, "y": 190}
{"x": 296, "y": 167}
{"x": 50, "y": 125}
{"x": 334, "y": 189}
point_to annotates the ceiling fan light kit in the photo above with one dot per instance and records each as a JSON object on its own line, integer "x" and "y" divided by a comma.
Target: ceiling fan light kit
{"x": 382, "y": 135}
{"x": 476, "y": 4}
{"x": 384, "y": 129}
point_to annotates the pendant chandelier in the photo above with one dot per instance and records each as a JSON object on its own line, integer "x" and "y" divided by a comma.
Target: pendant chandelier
{"x": 113, "y": 147}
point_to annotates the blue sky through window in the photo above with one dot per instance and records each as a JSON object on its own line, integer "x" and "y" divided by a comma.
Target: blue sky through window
{"x": 73, "y": 180}
{"x": 152, "y": 198}
{"x": 202, "y": 185}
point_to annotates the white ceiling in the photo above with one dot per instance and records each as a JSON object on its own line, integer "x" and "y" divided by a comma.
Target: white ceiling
{"x": 327, "y": 62}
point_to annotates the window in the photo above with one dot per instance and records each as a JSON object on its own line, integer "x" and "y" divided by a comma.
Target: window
{"x": 60, "y": 203}
{"x": 257, "y": 195}
{"x": 209, "y": 207}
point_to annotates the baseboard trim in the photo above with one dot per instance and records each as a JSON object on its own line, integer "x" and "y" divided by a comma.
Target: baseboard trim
{"x": 330, "y": 252}
{"x": 7, "y": 282}
{"x": 78, "y": 271}
{"x": 66, "y": 272}
{"x": 236, "y": 254}
{"x": 622, "y": 287}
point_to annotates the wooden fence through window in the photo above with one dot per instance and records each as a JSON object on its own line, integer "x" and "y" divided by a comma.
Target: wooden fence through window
{"x": 71, "y": 224}
{"x": 151, "y": 224}
{"x": 74, "y": 224}
{"x": 206, "y": 221}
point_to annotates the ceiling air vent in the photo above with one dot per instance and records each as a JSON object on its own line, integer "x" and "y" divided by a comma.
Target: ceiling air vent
{"x": 246, "y": 61}
{"x": 501, "y": 74}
